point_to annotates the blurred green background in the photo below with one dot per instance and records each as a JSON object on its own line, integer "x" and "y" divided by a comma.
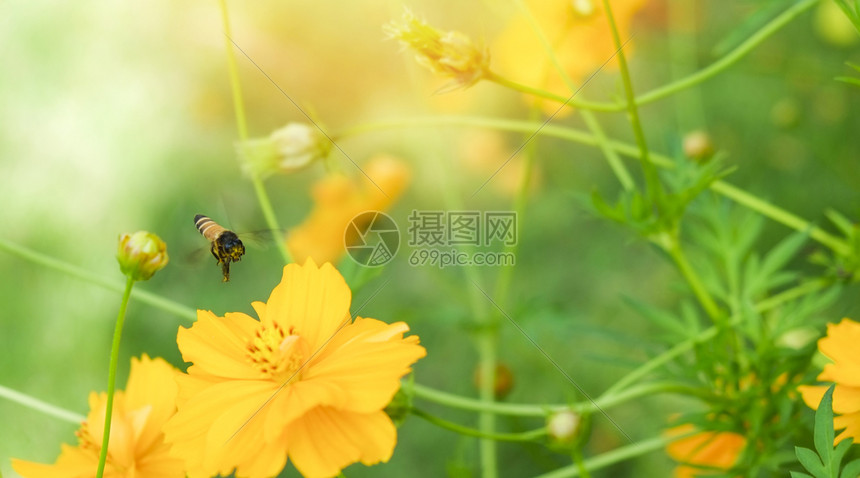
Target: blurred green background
{"x": 118, "y": 117}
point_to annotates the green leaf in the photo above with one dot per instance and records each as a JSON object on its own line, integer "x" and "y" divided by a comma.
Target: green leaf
{"x": 824, "y": 433}
{"x": 852, "y": 469}
{"x": 849, "y": 79}
{"x": 810, "y": 461}
{"x": 839, "y": 452}
{"x": 782, "y": 253}
{"x": 843, "y": 223}
{"x": 800, "y": 474}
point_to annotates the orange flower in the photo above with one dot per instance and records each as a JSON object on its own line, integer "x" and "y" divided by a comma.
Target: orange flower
{"x": 840, "y": 345}
{"x": 137, "y": 447}
{"x": 339, "y": 199}
{"x": 704, "y": 453}
{"x": 304, "y": 382}
{"x": 579, "y": 34}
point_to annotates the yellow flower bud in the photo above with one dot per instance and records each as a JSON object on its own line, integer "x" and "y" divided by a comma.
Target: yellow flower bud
{"x": 562, "y": 426}
{"x": 288, "y": 149}
{"x": 698, "y": 146}
{"x": 141, "y": 255}
{"x": 449, "y": 54}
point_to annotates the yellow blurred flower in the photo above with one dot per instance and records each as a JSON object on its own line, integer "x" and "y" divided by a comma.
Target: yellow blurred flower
{"x": 137, "y": 448}
{"x": 338, "y": 199}
{"x": 448, "y": 54}
{"x": 303, "y": 382}
{"x": 840, "y": 345}
{"x": 704, "y": 453}
{"x": 579, "y": 34}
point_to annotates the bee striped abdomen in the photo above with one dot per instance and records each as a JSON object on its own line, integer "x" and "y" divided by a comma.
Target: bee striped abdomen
{"x": 209, "y": 228}
{"x": 226, "y": 245}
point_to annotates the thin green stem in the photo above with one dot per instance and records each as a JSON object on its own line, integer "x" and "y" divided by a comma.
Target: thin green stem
{"x": 652, "y": 181}
{"x": 526, "y": 410}
{"x": 114, "y": 359}
{"x": 39, "y": 405}
{"x": 611, "y": 457}
{"x": 486, "y": 342}
{"x": 511, "y": 437}
{"x": 709, "y": 71}
{"x": 615, "y": 162}
{"x": 159, "y": 302}
{"x": 730, "y": 58}
{"x": 704, "y": 297}
{"x": 242, "y": 127}
{"x": 578, "y": 136}
{"x": 537, "y": 92}
{"x": 580, "y": 463}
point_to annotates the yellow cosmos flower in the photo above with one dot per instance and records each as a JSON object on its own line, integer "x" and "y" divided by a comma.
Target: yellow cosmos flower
{"x": 705, "y": 453}
{"x": 840, "y": 345}
{"x": 137, "y": 447}
{"x": 338, "y": 199}
{"x": 579, "y": 34}
{"x": 304, "y": 382}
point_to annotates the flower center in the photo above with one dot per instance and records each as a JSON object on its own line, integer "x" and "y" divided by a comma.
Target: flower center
{"x": 277, "y": 353}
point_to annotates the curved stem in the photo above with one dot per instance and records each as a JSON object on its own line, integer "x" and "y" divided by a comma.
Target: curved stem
{"x": 114, "y": 359}
{"x": 578, "y": 136}
{"x": 39, "y": 405}
{"x": 525, "y": 410}
{"x": 677, "y": 254}
{"x": 159, "y": 302}
{"x": 514, "y": 437}
{"x": 615, "y": 456}
{"x": 242, "y": 127}
{"x": 652, "y": 181}
{"x": 730, "y": 58}
{"x": 585, "y": 105}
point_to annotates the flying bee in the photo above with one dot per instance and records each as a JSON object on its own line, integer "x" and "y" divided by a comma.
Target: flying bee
{"x": 226, "y": 245}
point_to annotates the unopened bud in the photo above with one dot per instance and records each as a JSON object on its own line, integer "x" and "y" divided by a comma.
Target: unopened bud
{"x": 503, "y": 383}
{"x": 288, "y": 149}
{"x": 698, "y": 146}
{"x": 562, "y": 426}
{"x": 141, "y": 255}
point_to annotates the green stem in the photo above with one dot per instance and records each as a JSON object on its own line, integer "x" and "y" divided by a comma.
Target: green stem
{"x": 38, "y": 405}
{"x": 580, "y": 463}
{"x": 709, "y": 71}
{"x": 615, "y": 162}
{"x": 525, "y": 410}
{"x": 242, "y": 126}
{"x": 652, "y": 181}
{"x": 730, "y": 58}
{"x": 486, "y": 342}
{"x": 677, "y": 254}
{"x": 610, "y": 458}
{"x": 725, "y": 189}
{"x": 159, "y": 302}
{"x": 512, "y": 437}
{"x": 586, "y": 105}
{"x": 114, "y": 359}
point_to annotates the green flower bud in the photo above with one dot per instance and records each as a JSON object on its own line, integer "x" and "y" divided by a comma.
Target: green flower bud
{"x": 141, "y": 255}
{"x": 563, "y": 426}
{"x": 288, "y": 149}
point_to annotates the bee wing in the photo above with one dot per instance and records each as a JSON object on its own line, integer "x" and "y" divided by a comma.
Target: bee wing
{"x": 262, "y": 239}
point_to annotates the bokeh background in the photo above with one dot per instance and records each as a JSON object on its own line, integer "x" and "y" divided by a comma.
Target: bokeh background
{"x": 118, "y": 117}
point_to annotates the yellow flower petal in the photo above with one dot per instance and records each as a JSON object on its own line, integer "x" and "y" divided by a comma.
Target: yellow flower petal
{"x": 367, "y": 359}
{"x": 851, "y": 423}
{"x": 326, "y": 440}
{"x": 161, "y": 400}
{"x": 189, "y": 430}
{"x": 840, "y": 345}
{"x": 312, "y": 300}
{"x": 217, "y": 344}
